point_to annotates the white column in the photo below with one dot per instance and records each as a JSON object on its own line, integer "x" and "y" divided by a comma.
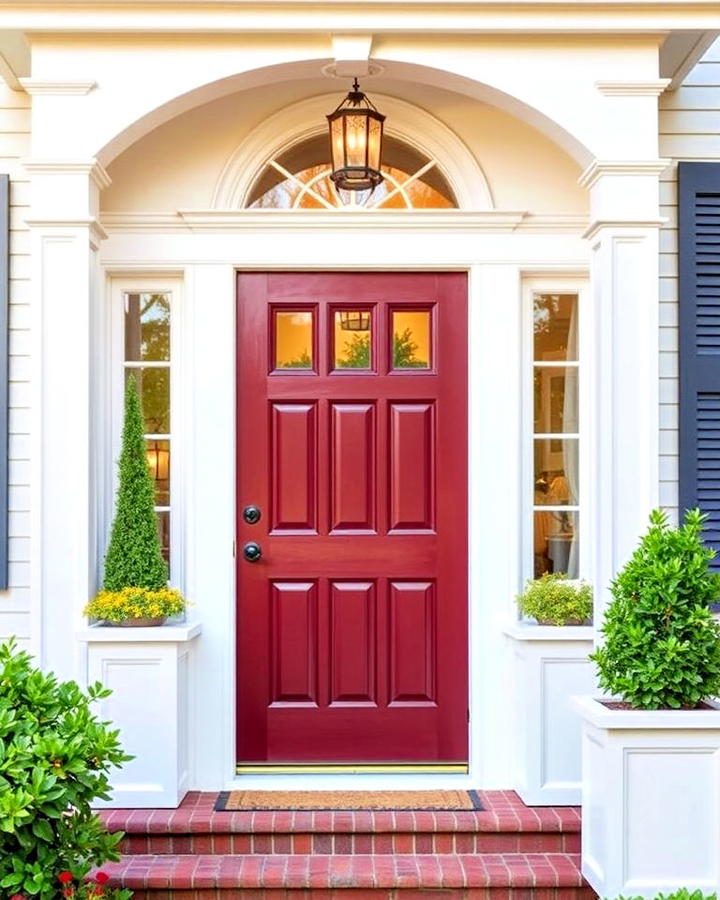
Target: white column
{"x": 65, "y": 236}
{"x": 623, "y": 237}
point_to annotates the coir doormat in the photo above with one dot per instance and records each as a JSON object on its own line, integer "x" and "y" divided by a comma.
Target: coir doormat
{"x": 232, "y": 801}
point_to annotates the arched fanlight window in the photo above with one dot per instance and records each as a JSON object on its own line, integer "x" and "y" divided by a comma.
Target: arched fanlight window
{"x": 299, "y": 178}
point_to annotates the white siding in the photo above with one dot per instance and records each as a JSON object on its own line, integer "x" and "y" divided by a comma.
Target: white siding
{"x": 689, "y": 130}
{"x": 14, "y": 145}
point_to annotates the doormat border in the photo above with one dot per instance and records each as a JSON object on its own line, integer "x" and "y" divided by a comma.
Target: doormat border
{"x": 224, "y": 798}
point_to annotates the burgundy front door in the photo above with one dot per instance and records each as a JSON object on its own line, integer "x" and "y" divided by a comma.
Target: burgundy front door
{"x": 352, "y": 445}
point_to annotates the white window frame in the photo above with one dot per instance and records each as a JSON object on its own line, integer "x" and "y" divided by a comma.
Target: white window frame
{"x": 119, "y": 287}
{"x": 556, "y": 284}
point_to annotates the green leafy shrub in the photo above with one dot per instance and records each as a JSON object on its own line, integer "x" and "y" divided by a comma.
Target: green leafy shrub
{"x": 682, "y": 894}
{"x": 662, "y": 645}
{"x": 553, "y": 599}
{"x": 134, "y": 557}
{"x": 54, "y": 760}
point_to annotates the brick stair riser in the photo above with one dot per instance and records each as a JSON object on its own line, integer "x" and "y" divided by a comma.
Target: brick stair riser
{"x": 499, "y": 893}
{"x": 319, "y": 844}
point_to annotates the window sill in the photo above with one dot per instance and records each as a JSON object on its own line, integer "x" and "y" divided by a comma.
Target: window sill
{"x": 158, "y": 634}
{"x": 530, "y": 632}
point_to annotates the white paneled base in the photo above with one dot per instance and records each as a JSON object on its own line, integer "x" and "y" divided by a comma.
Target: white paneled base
{"x": 651, "y": 799}
{"x": 551, "y": 666}
{"x": 148, "y": 671}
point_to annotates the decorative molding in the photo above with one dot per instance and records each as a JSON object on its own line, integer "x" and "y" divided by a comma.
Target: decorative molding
{"x": 633, "y": 88}
{"x": 234, "y": 221}
{"x": 600, "y": 224}
{"x": 626, "y": 167}
{"x": 39, "y": 87}
{"x": 351, "y": 53}
{"x": 289, "y": 127}
{"x": 97, "y": 232}
{"x": 91, "y": 167}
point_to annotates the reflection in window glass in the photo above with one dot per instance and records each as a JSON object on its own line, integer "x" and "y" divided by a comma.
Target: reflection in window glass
{"x": 154, "y": 386}
{"x": 353, "y": 339}
{"x": 158, "y": 459}
{"x": 147, "y": 327}
{"x": 164, "y": 532}
{"x": 555, "y": 326}
{"x": 411, "y": 339}
{"x": 294, "y": 340}
{"x": 556, "y": 400}
{"x": 556, "y": 454}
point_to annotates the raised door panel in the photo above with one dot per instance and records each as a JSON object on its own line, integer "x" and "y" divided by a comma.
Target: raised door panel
{"x": 353, "y": 486}
{"x": 413, "y": 642}
{"x": 412, "y": 476}
{"x": 353, "y": 617}
{"x": 293, "y": 487}
{"x": 293, "y": 643}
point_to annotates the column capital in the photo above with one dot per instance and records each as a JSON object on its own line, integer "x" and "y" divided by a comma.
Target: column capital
{"x": 94, "y": 170}
{"x": 604, "y": 225}
{"x": 601, "y": 168}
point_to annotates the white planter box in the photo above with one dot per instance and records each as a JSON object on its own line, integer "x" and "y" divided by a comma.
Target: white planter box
{"x": 551, "y": 667}
{"x": 651, "y": 799}
{"x": 149, "y": 671}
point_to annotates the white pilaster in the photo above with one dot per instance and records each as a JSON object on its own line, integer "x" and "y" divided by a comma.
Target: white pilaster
{"x": 623, "y": 237}
{"x": 65, "y": 237}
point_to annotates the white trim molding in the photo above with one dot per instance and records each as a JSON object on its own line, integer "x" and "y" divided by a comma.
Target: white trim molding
{"x": 633, "y": 88}
{"x": 39, "y": 86}
{"x": 630, "y": 167}
{"x": 598, "y": 224}
{"x": 90, "y": 167}
{"x": 405, "y": 122}
{"x": 96, "y": 230}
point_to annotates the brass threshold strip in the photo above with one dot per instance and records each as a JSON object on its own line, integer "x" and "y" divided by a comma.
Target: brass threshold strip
{"x": 357, "y": 769}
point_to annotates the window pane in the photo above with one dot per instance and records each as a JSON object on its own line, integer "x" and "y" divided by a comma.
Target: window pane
{"x": 353, "y": 339}
{"x": 411, "y": 339}
{"x": 147, "y": 327}
{"x": 556, "y": 400}
{"x": 556, "y": 472}
{"x": 164, "y": 532}
{"x": 158, "y": 458}
{"x": 294, "y": 340}
{"x": 555, "y": 326}
{"x": 154, "y": 386}
{"x": 556, "y": 543}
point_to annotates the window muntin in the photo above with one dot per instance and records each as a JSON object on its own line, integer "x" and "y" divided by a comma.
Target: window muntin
{"x": 299, "y": 178}
{"x": 556, "y": 433}
{"x": 147, "y": 357}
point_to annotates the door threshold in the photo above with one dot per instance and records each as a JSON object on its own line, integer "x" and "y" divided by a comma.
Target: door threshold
{"x": 354, "y": 769}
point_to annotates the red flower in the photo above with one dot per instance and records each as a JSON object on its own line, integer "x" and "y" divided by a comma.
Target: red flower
{"x": 17, "y": 897}
{"x": 65, "y": 877}
{"x": 102, "y": 877}
{"x": 68, "y": 892}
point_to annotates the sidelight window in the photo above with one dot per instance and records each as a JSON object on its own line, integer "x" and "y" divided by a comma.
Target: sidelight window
{"x": 556, "y": 437}
{"x": 147, "y": 358}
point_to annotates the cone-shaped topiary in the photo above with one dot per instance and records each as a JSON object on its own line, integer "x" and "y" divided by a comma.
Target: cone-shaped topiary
{"x": 662, "y": 644}
{"x": 134, "y": 557}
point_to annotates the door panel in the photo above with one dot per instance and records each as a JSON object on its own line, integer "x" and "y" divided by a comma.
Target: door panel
{"x": 352, "y": 440}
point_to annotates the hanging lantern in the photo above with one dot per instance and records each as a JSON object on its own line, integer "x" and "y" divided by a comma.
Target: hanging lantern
{"x": 355, "y": 320}
{"x": 356, "y": 132}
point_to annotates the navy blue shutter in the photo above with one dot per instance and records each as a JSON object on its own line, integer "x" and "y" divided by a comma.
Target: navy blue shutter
{"x": 699, "y": 295}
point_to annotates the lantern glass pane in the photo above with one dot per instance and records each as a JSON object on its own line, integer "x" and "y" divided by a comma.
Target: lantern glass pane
{"x": 356, "y": 140}
{"x": 353, "y": 339}
{"x": 375, "y": 129}
{"x": 337, "y": 143}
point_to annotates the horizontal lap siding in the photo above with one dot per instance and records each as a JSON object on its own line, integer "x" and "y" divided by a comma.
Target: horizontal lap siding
{"x": 14, "y": 145}
{"x": 689, "y": 130}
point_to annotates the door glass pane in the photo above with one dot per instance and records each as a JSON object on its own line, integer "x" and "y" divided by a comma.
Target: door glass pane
{"x": 556, "y": 472}
{"x": 411, "y": 339}
{"x": 154, "y": 387}
{"x": 158, "y": 459}
{"x": 147, "y": 327}
{"x": 556, "y": 400}
{"x": 556, "y": 542}
{"x": 555, "y": 326}
{"x": 294, "y": 340}
{"x": 164, "y": 532}
{"x": 353, "y": 339}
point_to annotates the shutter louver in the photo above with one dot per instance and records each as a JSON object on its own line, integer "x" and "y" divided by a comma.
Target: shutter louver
{"x": 699, "y": 295}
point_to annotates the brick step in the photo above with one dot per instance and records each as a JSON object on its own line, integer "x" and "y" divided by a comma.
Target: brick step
{"x": 490, "y": 876}
{"x": 505, "y": 825}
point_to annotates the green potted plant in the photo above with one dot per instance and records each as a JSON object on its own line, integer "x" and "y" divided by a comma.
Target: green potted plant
{"x": 651, "y": 745}
{"x": 555, "y": 599}
{"x": 56, "y": 756}
{"x": 135, "y": 589}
